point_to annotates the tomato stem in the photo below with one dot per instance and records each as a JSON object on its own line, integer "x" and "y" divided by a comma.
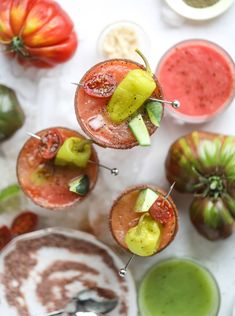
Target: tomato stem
{"x": 17, "y": 46}
{"x": 213, "y": 186}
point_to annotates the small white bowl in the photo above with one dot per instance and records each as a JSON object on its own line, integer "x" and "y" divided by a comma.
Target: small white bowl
{"x": 193, "y": 13}
{"x": 142, "y": 39}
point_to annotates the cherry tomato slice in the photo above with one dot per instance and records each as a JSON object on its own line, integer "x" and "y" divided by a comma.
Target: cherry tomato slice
{"x": 161, "y": 211}
{"x": 26, "y": 222}
{"x": 5, "y": 236}
{"x": 50, "y": 143}
{"x": 100, "y": 85}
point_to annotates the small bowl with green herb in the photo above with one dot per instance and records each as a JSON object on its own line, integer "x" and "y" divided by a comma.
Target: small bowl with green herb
{"x": 199, "y": 9}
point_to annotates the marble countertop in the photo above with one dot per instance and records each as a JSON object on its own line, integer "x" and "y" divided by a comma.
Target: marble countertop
{"x": 47, "y": 98}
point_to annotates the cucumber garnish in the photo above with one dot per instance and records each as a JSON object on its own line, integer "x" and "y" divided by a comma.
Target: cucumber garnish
{"x": 154, "y": 110}
{"x": 80, "y": 185}
{"x": 140, "y": 130}
{"x": 145, "y": 200}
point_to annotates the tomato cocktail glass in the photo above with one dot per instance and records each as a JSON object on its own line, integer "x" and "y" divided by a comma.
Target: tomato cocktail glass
{"x": 92, "y": 111}
{"x": 144, "y": 220}
{"x": 48, "y": 170}
{"x": 200, "y": 74}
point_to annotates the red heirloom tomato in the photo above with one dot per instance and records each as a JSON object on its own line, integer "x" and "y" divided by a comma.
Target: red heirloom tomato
{"x": 5, "y": 236}
{"x": 37, "y": 32}
{"x": 26, "y": 222}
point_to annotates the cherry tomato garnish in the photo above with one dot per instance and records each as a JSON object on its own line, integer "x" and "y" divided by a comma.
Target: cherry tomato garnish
{"x": 50, "y": 143}
{"x": 26, "y": 222}
{"x": 5, "y": 236}
{"x": 100, "y": 85}
{"x": 161, "y": 211}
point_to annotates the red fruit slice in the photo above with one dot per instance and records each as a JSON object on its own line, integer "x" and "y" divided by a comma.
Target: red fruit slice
{"x": 100, "y": 85}
{"x": 5, "y": 236}
{"x": 161, "y": 210}
{"x": 24, "y": 223}
{"x": 50, "y": 143}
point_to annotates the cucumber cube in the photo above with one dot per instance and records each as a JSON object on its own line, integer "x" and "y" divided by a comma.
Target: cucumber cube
{"x": 140, "y": 130}
{"x": 145, "y": 200}
{"x": 80, "y": 185}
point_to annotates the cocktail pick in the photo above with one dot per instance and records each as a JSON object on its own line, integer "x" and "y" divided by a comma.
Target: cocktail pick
{"x": 123, "y": 271}
{"x": 113, "y": 171}
{"x": 175, "y": 104}
{"x": 170, "y": 190}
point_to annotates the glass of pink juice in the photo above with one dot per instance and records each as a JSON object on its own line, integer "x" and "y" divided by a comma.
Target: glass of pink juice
{"x": 201, "y": 75}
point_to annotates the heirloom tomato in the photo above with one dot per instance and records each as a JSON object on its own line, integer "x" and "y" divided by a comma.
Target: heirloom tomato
{"x": 37, "y": 32}
{"x": 203, "y": 163}
{"x": 11, "y": 114}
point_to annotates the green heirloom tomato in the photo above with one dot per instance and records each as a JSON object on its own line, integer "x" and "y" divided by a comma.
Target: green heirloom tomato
{"x": 11, "y": 115}
{"x": 203, "y": 163}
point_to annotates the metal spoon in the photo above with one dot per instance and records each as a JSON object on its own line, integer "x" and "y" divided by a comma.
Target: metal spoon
{"x": 95, "y": 302}
{"x": 86, "y": 302}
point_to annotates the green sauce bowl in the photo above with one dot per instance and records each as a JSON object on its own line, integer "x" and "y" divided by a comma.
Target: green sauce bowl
{"x": 179, "y": 287}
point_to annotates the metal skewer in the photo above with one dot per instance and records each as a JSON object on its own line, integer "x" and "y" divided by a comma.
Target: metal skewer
{"x": 175, "y": 104}
{"x": 34, "y": 135}
{"x": 114, "y": 171}
{"x": 123, "y": 271}
{"x": 170, "y": 190}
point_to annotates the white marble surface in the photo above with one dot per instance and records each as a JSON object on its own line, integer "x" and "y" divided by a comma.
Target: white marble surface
{"x": 47, "y": 98}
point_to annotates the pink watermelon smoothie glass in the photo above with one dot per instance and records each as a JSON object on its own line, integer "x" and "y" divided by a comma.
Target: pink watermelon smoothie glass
{"x": 201, "y": 75}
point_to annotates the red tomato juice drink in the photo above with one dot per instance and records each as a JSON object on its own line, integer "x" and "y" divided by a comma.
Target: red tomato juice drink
{"x": 91, "y": 111}
{"x": 47, "y": 170}
{"x": 201, "y": 75}
{"x": 143, "y": 220}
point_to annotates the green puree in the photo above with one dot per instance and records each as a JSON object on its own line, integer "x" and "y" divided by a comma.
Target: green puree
{"x": 178, "y": 287}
